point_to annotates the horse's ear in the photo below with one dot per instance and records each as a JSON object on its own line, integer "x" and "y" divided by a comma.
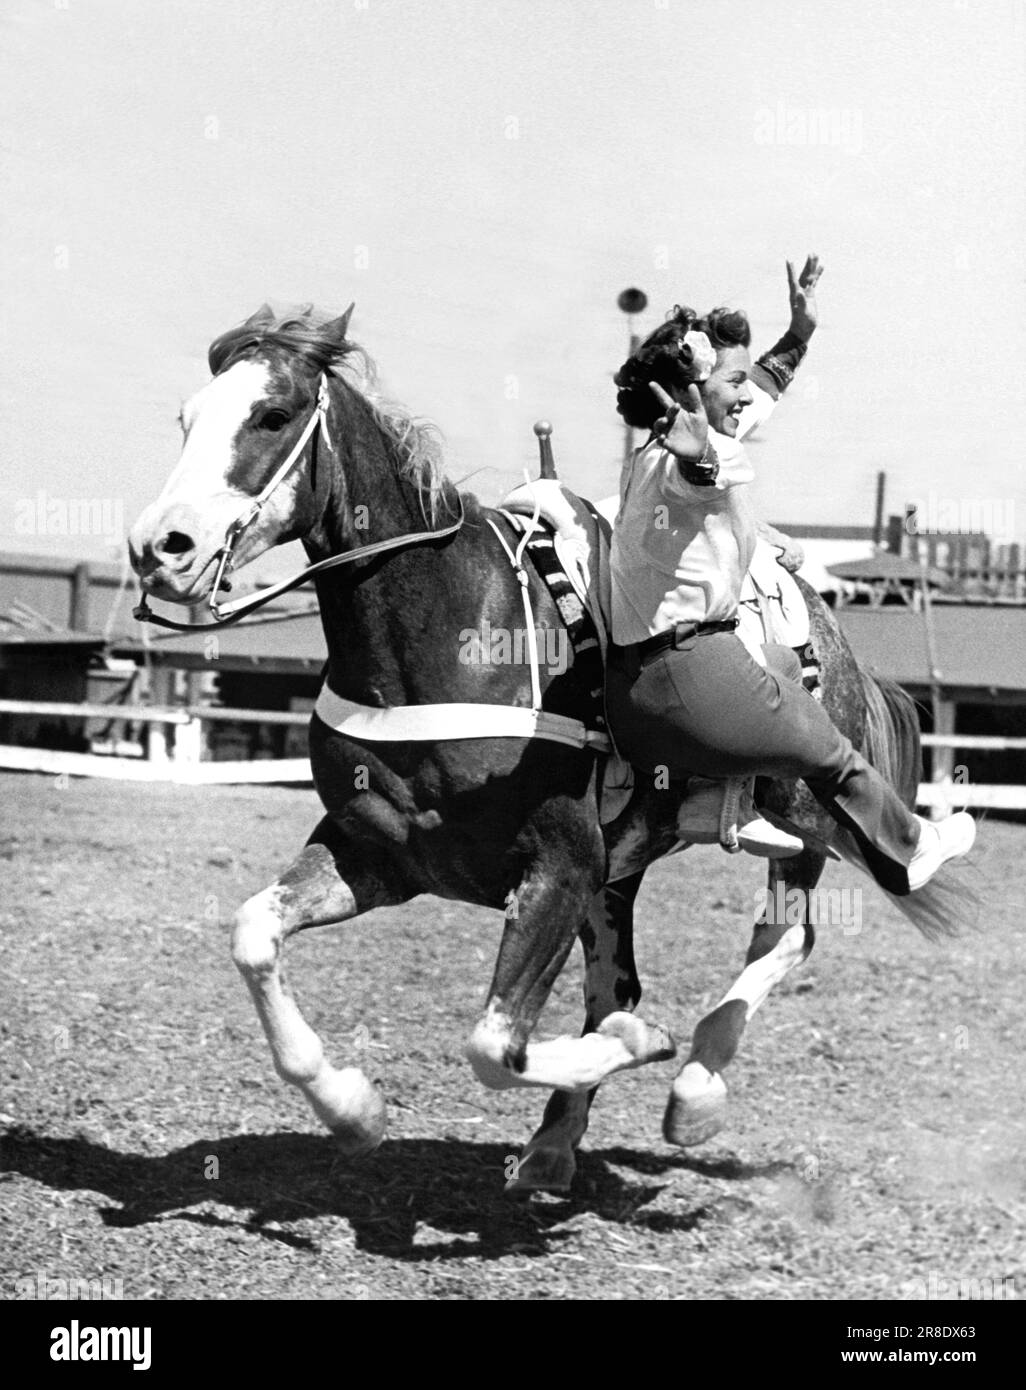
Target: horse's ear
{"x": 263, "y": 315}
{"x": 336, "y": 329}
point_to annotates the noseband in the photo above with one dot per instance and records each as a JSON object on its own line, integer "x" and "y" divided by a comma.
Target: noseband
{"x": 226, "y": 614}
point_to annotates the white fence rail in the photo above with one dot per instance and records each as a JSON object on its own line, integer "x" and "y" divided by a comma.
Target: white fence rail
{"x": 58, "y": 762}
{"x": 174, "y": 746}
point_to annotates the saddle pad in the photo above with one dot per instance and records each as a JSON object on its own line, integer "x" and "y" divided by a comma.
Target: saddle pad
{"x": 571, "y": 601}
{"x": 573, "y": 559}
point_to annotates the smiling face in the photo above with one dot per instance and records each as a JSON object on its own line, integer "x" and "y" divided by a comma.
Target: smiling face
{"x": 725, "y": 392}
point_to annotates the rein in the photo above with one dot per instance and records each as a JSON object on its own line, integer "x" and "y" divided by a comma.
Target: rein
{"x": 226, "y": 614}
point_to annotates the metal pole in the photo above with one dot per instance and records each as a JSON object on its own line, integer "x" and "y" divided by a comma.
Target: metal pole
{"x": 634, "y": 342}
{"x": 878, "y": 519}
{"x": 543, "y": 430}
{"x": 78, "y": 619}
{"x": 938, "y": 704}
{"x": 631, "y": 301}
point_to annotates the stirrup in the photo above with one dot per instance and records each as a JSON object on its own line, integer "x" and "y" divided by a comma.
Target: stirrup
{"x": 724, "y": 813}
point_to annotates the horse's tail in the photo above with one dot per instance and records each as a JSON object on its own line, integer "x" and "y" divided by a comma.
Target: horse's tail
{"x": 949, "y": 902}
{"x": 891, "y": 740}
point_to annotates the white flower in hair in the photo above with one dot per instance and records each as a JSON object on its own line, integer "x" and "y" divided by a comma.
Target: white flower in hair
{"x": 703, "y": 354}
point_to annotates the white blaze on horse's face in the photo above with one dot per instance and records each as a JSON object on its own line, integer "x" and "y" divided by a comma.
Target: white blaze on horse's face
{"x": 175, "y": 542}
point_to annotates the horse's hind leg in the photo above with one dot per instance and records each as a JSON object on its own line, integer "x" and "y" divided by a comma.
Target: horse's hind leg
{"x": 697, "y": 1106}
{"x": 322, "y": 885}
{"x": 548, "y": 1162}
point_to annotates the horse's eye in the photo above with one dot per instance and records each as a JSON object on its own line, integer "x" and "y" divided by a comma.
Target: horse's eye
{"x": 274, "y": 421}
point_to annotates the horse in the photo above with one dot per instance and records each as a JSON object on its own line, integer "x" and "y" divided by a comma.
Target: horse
{"x": 489, "y": 797}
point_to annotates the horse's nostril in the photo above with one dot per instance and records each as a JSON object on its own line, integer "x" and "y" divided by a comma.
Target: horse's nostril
{"x": 175, "y": 543}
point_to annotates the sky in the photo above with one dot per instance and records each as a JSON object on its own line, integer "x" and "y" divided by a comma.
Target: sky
{"x": 483, "y": 179}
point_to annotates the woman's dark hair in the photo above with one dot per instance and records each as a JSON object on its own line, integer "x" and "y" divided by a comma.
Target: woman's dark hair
{"x": 664, "y": 357}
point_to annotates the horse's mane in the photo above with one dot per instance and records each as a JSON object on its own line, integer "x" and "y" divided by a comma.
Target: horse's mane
{"x": 415, "y": 443}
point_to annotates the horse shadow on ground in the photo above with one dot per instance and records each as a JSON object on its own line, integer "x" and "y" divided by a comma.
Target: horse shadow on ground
{"x": 413, "y": 1199}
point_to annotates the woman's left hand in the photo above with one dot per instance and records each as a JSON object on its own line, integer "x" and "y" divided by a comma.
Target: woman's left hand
{"x": 791, "y": 556}
{"x": 683, "y": 430}
{"x": 802, "y": 294}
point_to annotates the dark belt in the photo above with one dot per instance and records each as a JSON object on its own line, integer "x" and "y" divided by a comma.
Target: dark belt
{"x": 675, "y": 637}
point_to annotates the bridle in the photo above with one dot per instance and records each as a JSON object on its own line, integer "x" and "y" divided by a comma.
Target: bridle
{"x": 226, "y": 614}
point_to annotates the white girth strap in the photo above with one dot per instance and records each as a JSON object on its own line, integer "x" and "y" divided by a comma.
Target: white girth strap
{"x": 525, "y": 593}
{"x": 431, "y": 723}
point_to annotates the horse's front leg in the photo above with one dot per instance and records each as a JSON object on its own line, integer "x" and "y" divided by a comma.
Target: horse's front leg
{"x": 323, "y": 885}
{"x": 534, "y": 947}
{"x": 697, "y": 1108}
{"x": 548, "y": 1163}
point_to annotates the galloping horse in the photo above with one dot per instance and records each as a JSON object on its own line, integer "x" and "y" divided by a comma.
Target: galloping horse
{"x": 291, "y": 440}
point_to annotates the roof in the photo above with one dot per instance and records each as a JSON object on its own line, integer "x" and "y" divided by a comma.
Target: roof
{"x": 45, "y": 587}
{"x": 823, "y": 552}
{"x": 278, "y": 637}
{"x": 979, "y": 647}
{"x": 883, "y": 566}
{"x": 43, "y": 637}
{"x": 808, "y": 531}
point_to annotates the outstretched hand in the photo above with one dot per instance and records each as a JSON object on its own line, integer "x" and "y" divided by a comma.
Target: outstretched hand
{"x": 791, "y": 556}
{"x": 802, "y": 294}
{"x": 683, "y": 431}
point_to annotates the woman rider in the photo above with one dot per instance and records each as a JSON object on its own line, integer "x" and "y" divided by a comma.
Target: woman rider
{"x": 682, "y": 692}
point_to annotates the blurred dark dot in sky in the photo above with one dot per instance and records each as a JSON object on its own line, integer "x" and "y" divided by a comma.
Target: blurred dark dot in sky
{"x": 632, "y": 301}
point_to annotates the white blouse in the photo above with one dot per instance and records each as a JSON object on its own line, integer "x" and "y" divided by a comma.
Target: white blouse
{"x": 680, "y": 552}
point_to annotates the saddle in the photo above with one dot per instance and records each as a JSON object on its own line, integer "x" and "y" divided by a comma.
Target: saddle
{"x": 577, "y": 536}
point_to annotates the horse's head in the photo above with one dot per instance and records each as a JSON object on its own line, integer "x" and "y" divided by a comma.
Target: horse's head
{"x": 261, "y": 406}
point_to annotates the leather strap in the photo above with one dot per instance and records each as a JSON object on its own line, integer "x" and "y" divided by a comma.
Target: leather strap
{"x": 675, "y": 636}
{"x": 241, "y": 608}
{"x": 226, "y": 614}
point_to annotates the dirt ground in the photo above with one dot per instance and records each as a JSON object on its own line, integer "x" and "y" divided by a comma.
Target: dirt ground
{"x": 876, "y": 1146}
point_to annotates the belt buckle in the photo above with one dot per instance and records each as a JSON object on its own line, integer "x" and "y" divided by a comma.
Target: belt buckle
{"x": 682, "y": 632}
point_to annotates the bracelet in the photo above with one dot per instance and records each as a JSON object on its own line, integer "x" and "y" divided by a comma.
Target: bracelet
{"x": 781, "y": 371}
{"x": 707, "y": 469}
{"x": 780, "y": 368}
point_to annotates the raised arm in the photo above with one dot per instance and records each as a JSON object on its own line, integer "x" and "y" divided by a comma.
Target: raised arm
{"x": 775, "y": 369}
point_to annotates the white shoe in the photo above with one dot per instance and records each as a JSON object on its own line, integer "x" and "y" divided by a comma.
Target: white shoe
{"x": 940, "y": 841}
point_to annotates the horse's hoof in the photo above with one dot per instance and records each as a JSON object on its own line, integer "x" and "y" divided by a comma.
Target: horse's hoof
{"x": 697, "y": 1108}
{"x": 646, "y": 1042}
{"x": 353, "y": 1143}
{"x": 352, "y": 1109}
{"x": 542, "y": 1170}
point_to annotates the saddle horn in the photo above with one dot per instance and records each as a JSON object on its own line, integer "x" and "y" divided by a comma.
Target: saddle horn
{"x": 548, "y": 466}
